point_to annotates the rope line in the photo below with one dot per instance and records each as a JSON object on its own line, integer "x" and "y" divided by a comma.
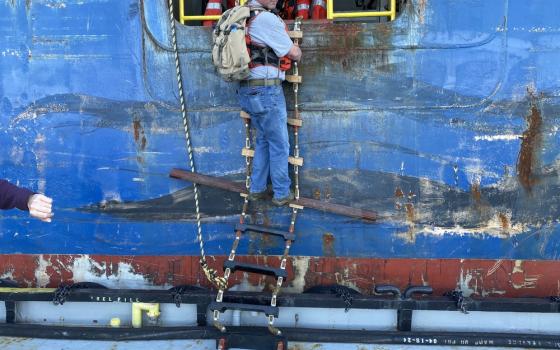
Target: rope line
{"x": 210, "y": 273}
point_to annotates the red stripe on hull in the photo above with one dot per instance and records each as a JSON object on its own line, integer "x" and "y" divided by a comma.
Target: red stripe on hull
{"x": 507, "y": 278}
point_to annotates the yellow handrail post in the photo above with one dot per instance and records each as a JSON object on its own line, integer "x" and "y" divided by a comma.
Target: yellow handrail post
{"x": 393, "y": 9}
{"x": 182, "y": 11}
{"x": 330, "y": 10}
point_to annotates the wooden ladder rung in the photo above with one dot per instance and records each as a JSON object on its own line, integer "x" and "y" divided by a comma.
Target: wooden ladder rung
{"x": 248, "y": 152}
{"x": 291, "y": 121}
{"x": 244, "y": 115}
{"x": 295, "y": 34}
{"x": 295, "y": 122}
{"x": 294, "y": 79}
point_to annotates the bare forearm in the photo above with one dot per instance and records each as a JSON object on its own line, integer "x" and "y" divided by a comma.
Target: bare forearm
{"x": 294, "y": 53}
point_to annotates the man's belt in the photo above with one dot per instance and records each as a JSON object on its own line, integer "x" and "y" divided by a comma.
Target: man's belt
{"x": 260, "y": 82}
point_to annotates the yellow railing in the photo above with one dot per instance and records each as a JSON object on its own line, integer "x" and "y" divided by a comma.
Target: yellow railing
{"x": 392, "y": 13}
{"x": 330, "y": 13}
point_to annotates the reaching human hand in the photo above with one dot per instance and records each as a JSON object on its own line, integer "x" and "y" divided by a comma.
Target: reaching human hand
{"x": 40, "y": 207}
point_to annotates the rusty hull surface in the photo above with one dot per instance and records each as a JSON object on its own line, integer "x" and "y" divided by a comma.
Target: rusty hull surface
{"x": 493, "y": 278}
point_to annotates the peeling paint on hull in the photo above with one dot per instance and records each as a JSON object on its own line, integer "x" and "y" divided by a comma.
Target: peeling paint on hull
{"x": 476, "y": 278}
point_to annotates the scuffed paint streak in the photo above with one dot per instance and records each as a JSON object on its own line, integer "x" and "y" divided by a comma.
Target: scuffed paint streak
{"x": 120, "y": 275}
{"x": 494, "y": 227}
{"x": 42, "y": 278}
{"x": 530, "y": 146}
{"x": 494, "y": 268}
{"x": 520, "y": 279}
{"x": 506, "y": 137}
{"x": 421, "y": 10}
{"x": 463, "y": 284}
{"x": 301, "y": 265}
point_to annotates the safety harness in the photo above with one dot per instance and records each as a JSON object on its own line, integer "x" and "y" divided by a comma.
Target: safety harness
{"x": 264, "y": 55}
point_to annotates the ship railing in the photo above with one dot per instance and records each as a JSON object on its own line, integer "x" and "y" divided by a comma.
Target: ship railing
{"x": 184, "y": 18}
{"x": 331, "y": 14}
{"x": 391, "y": 13}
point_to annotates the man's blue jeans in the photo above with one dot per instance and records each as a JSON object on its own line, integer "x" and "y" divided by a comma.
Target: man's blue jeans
{"x": 267, "y": 107}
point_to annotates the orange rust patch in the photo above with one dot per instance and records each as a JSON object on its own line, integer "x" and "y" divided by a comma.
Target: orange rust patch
{"x": 475, "y": 192}
{"x": 528, "y": 159}
{"x": 328, "y": 244}
{"x": 317, "y": 194}
{"x": 139, "y": 135}
{"x": 399, "y": 193}
{"x": 504, "y": 221}
{"x": 410, "y": 211}
{"x": 137, "y": 127}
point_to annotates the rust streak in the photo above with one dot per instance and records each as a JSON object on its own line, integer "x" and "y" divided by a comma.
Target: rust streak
{"x": 504, "y": 221}
{"x": 328, "y": 244}
{"x": 531, "y": 140}
{"x": 410, "y": 211}
{"x": 139, "y": 138}
{"x": 317, "y": 194}
{"x": 137, "y": 127}
{"x": 475, "y": 192}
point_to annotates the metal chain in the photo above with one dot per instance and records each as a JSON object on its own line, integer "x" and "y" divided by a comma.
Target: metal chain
{"x": 344, "y": 293}
{"x": 297, "y": 27}
{"x": 244, "y": 211}
{"x": 61, "y": 293}
{"x": 283, "y": 262}
{"x": 280, "y": 280}
{"x": 210, "y": 273}
{"x": 459, "y": 299}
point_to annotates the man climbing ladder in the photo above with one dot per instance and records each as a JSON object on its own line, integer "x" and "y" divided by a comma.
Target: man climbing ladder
{"x": 262, "y": 97}
{"x": 262, "y": 100}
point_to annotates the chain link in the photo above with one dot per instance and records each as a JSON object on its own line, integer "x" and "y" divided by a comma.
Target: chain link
{"x": 61, "y": 293}
{"x": 459, "y": 299}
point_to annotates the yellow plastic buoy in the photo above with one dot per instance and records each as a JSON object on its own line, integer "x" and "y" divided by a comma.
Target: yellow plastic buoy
{"x": 115, "y": 322}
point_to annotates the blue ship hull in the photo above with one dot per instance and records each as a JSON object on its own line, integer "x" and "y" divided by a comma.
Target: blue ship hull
{"x": 444, "y": 121}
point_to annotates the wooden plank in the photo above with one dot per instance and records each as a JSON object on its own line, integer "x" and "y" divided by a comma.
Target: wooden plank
{"x": 291, "y": 121}
{"x": 247, "y": 152}
{"x": 295, "y": 122}
{"x": 294, "y": 79}
{"x": 305, "y": 202}
{"x": 295, "y": 34}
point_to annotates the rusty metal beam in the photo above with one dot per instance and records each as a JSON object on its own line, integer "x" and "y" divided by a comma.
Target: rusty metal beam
{"x": 306, "y": 202}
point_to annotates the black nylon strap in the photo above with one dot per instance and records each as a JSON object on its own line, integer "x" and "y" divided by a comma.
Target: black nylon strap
{"x": 261, "y": 55}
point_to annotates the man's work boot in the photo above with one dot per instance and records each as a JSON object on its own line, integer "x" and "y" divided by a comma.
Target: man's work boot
{"x": 284, "y": 200}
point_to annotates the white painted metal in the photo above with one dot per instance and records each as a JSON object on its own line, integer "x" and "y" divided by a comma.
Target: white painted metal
{"x": 7, "y": 343}
{"x": 477, "y": 321}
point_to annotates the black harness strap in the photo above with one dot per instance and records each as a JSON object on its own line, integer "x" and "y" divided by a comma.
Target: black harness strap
{"x": 261, "y": 55}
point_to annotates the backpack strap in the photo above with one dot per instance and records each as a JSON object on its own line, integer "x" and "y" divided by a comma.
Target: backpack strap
{"x": 260, "y": 55}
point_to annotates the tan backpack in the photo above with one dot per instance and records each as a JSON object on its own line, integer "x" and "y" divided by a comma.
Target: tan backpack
{"x": 229, "y": 50}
